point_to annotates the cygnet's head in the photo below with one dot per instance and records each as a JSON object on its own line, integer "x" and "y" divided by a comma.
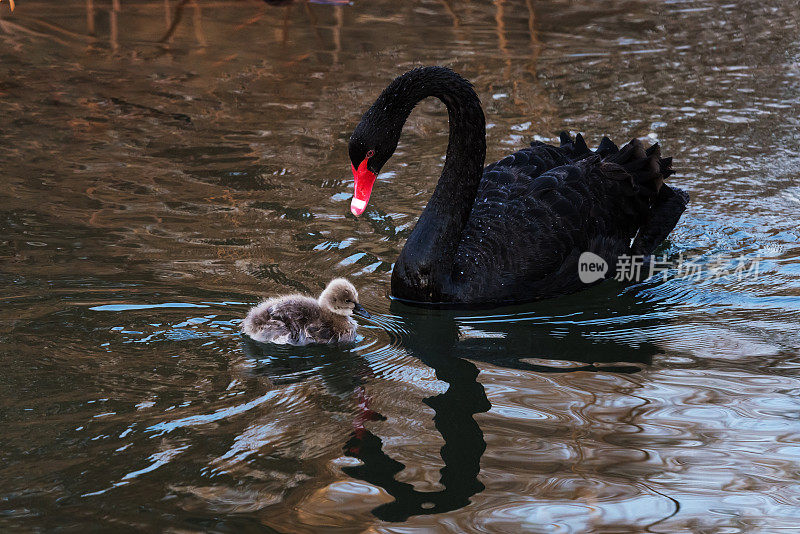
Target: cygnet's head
{"x": 341, "y": 297}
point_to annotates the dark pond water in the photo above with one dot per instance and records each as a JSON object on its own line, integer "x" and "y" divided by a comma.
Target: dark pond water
{"x": 164, "y": 165}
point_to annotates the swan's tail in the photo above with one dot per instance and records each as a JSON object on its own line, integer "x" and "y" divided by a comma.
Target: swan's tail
{"x": 645, "y": 165}
{"x": 633, "y": 156}
{"x": 649, "y": 171}
{"x": 664, "y": 204}
{"x": 667, "y": 208}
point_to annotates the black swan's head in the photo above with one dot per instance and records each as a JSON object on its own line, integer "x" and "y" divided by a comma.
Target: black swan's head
{"x": 341, "y": 298}
{"x": 372, "y": 144}
{"x": 375, "y": 138}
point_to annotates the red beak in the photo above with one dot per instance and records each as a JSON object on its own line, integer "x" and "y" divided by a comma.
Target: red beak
{"x": 364, "y": 180}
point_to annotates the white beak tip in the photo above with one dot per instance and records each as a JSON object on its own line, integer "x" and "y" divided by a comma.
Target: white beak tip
{"x": 358, "y": 206}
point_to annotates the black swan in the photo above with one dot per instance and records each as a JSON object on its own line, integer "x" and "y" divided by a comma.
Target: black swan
{"x": 512, "y": 231}
{"x": 300, "y": 320}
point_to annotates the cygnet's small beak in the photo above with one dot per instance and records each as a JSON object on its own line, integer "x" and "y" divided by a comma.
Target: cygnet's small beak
{"x": 360, "y": 311}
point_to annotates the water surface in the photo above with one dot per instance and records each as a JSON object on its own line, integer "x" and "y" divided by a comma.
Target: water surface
{"x": 166, "y": 164}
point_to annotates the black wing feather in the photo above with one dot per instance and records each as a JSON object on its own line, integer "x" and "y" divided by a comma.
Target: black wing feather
{"x": 538, "y": 209}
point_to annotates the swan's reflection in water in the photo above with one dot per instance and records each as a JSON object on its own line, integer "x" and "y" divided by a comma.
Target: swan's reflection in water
{"x": 598, "y": 329}
{"x": 462, "y": 451}
{"x": 535, "y": 338}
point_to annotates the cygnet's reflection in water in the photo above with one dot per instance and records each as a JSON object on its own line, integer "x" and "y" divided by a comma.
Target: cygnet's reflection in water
{"x": 532, "y": 337}
{"x": 340, "y": 368}
{"x": 344, "y": 374}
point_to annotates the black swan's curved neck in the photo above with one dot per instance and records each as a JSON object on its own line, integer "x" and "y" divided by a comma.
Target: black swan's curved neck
{"x": 424, "y": 269}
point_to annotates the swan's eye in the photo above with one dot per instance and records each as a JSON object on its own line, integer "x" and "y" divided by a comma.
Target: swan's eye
{"x": 370, "y": 153}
